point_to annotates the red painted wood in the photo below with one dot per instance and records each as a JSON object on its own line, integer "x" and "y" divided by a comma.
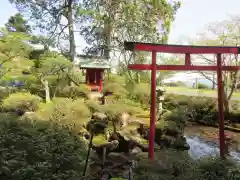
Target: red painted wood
{"x": 94, "y": 78}
{"x": 182, "y": 67}
{"x": 100, "y": 82}
{"x": 153, "y": 107}
{"x": 187, "y": 59}
{"x": 185, "y": 49}
{"x": 140, "y": 66}
{"x": 220, "y": 106}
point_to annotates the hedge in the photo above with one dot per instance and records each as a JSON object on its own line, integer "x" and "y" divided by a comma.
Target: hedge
{"x": 201, "y": 109}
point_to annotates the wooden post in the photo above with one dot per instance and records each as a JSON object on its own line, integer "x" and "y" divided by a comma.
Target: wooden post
{"x": 100, "y": 81}
{"x": 153, "y": 107}
{"x": 220, "y": 106}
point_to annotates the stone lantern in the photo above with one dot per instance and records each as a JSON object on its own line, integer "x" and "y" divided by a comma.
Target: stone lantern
{"x": 160, "y": 98}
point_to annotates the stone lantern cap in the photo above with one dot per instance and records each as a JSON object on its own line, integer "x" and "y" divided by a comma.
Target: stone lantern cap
{"x": 161, "y": 89}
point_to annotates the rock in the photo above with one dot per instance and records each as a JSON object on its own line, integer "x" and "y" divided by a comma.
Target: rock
{"x": 99, "y": 116}
{"x": 117, "y": 157}
{"x": 124, "y": 119}
{"x": 94, "y": 95}
{"x": 133, "y": 121}
{"x": 166, "y": 137}
{"x": 136, "y": 150}
{"x": 27, "y": 116}
{"x": 128, "y": 141}
{"x": 111, "y": 145}
{"x": 180, "y": 143}
{"x": 229, "y": 136}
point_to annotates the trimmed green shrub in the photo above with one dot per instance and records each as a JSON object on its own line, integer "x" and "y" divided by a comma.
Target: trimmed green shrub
{"x": 201, "y": 109}
{"x": 21, "y": 102}
{"x": 178, "y": 165}
{"x": 202, "y": 86}
{"x": 74, "y": 91}
{"x": 40, "y": 151}
{"x": 64, "y": 110}
{"x": 117, "y": 89}
{"x": 141, "y": 93}
{"x": 175, "y": 84}
{"x": 93, "y": 106}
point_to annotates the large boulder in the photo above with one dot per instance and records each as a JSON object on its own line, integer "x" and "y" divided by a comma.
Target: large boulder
{"x": 128, "y": 140}
{"x": 166, "y": 137}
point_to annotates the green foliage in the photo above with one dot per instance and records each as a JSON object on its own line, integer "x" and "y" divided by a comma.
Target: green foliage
{"x": 64, "y": 110}
{"x": 177, "y": 165}
{"x": 39, "y": 151}
{"x": 74, "y": 91}
{"x": 175, "y": 84}
{"x": 217, "y": 168}
{"x": 52, "y": 69}
{"x": 172, "y": 102}
{"x": 200, "y": 109}
{"x": 141, "y": 93}
{"x": 46, "y": 16}
{"x": 13, "y": 52}
{"x": 18, "y": 23}
{"x": 93, "y": 106}
{"x": 29, "y": 81}
{"x": 119, "y": 108}
{"x": 117, "y": 90}
{"x": 202, "y": 86}
{"x": 113, "y": 78}
{"x": 12, "y": 44}
{"x": 131, "y": 21}
{"x": 52, "y": 63}
{"x": 21, "y": 102}
{"x": 43, "y": 40}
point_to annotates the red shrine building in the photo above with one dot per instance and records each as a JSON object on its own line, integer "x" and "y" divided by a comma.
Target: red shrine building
{"x": 93, "y": 68}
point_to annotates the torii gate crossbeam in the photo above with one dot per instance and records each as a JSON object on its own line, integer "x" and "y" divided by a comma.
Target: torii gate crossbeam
{"x": 187, "y": 50}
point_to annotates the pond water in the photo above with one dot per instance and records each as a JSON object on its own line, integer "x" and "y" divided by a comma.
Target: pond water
{"x": 203, "y": 141}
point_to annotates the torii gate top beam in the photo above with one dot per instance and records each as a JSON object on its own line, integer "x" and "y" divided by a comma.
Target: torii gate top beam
{"x": 181, "y": 49}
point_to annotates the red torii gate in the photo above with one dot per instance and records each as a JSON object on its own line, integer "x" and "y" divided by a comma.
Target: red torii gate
{"x": 187, "y": 50}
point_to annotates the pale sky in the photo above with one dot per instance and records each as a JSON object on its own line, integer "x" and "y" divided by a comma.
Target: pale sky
{"x": 195, "y": 14}
{"x": 191, "y": 17}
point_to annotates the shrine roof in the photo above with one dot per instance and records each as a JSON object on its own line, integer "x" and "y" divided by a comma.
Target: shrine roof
{"x": 98, "y": 62}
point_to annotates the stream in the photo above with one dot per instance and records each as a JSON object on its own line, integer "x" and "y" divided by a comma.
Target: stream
{"x": 203, "y": 141}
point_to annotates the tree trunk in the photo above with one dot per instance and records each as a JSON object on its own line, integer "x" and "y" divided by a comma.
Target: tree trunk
{"x": 226, "y": 102}
{"x": 213, "y": 82}
{"x": 138, "y": 77}
{"x": 107, "y": 37}
{"x": 88, "y": 155}
{"x": 69, "y": 14}
{"x": 47, "y": 91}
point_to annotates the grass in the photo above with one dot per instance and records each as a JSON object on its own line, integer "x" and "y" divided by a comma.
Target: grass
{"x": 202, "y": 92}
